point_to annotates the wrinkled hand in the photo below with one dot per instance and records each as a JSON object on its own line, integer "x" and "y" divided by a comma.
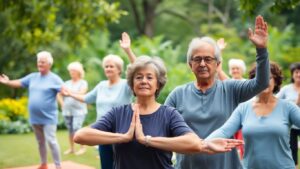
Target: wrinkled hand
{"x": 125, "y": 41}
{"x": 221, "y": 43}
{"x": 4, "y": 79}
{"x": 139, "y": 134}
{"x": 260, "y": 36}
{"x": 128, "y": 136}
{"x": 221, "y": 145}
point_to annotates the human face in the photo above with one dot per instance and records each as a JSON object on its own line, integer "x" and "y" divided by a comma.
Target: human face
{"x": 145, "y": 82}
{"x": 74, "y": 74}
{"x": 204, "y": 70}
{"x": 111, "y": 70}
{"x": 43, "y": 65}
{"x": 296, "y": 76}
{"x": 236, "y": 72}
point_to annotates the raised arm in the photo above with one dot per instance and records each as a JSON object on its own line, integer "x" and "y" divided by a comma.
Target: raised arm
{"x": 11, "y": 83}
{"x": 125, "y": 43}
{"x": 221, "y": 74}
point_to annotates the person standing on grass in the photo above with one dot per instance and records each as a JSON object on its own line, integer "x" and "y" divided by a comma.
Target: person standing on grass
{"x": 43, "y": 87}
{"x": 74, "y": 111}
{"x": 108, "y": 94}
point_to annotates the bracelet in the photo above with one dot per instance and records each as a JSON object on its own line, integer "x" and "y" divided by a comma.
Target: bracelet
{"x": 147, "y": 140}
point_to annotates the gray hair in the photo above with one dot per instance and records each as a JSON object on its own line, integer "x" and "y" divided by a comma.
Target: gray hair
{"x": 198, "y": 42}
{"x": 237, "y": 62}
{"x": 116, "y": 59}
{"x": 141, "y": 62}
{"x": 77, "y": 66}
{"x": 45, "y": 54}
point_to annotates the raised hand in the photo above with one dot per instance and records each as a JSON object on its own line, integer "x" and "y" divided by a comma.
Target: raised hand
{"x": 260, "y": 36}
{"x": 125, "y": 42}
{"x": 4, "y": 79}
{"x": 221, "y": 145}
{"x": 139, "y": 134}
{"x": 221, "y": 43}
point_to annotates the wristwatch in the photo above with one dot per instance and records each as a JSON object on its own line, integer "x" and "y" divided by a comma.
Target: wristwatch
{"x": 147, "y": 140}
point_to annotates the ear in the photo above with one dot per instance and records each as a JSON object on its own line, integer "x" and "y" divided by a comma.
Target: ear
{"x": 190, "y": 64}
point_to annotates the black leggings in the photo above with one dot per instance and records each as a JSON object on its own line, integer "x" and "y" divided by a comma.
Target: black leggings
{"x": 294, "y": 143}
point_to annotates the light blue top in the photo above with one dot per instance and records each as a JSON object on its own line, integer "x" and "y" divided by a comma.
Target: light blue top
{"x": 289, "y": 93}
{"x": 106, "y": 97}
{"x": 206, "y": 111}
{"x": 73, "y": 107}
{"x": 42, "y": 97}
{"x": 266, "y": 137}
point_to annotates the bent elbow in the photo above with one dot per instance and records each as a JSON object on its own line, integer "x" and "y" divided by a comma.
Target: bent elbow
{"x": 78, "y": 137}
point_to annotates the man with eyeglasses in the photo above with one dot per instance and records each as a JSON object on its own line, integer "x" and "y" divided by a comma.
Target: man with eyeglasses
{"x": 207, "y": 103}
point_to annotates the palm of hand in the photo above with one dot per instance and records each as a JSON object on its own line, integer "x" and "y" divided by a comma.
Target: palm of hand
{"x": 260, "y": 38}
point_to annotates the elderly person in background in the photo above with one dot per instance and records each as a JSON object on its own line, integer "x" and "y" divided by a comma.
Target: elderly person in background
{"x": 265, "y": 122}
{"x": 237, "y": 68}
{"x": 291, "y": 92}
{"x": 145, "y": 133}
{"x": 73, "y": 110}
{"x": 207, "y": 103}
{"x": 108, "y": 94}
{"x": 43, "y": 88}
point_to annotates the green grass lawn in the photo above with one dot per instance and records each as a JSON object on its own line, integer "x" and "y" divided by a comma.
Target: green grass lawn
{"x": 21, "y": 150}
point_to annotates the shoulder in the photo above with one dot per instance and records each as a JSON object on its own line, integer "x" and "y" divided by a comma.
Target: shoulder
{"x": 183, "y": 88}
{"x": 55, "y": 76}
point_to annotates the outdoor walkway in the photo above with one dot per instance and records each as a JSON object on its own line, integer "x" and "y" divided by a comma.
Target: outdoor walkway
{"x": 65, "y": 165}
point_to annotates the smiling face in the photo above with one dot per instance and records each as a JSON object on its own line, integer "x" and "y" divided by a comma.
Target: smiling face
{"x": 43, "y": 65}
{"x": 145, "y": 82}
{"x": 204, "y": 70}
{"x": 111, "y": 70}
{"x": 236, "y": 72}
{"x": 74, "y": 74}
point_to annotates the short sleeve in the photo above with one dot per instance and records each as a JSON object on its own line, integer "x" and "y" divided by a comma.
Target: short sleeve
{"x": 25, "y": 81}
{"x": 106, "y": 122}
{"x": 91, "y": 96}
{"x": 58, "y": 83}
{"x": 177, "y": 125}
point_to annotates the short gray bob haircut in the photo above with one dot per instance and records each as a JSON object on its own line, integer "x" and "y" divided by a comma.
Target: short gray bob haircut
{"x": 198, "y": 42}
{"x": 114, "y": 58}
{"x": 144, "y": 61}
{"x": 45, "y": 54}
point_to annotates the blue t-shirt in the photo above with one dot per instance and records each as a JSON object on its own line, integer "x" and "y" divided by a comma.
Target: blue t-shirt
{"x": 165, "y": 122}
{"x": 107, "y": 97}
{"x": 42, "y": 103}
{"x": 266, "y": 137}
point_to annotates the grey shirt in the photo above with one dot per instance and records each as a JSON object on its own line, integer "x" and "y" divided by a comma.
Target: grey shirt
{"x": 206, "y": 111}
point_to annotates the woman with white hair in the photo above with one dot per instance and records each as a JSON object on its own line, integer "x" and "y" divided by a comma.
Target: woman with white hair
{"x": 145, "y": 133}
{"x": 43, "y": 87}
{"x": 237, "y": 68}
{"x": 108, "y": 94}
{"x": 74, "y": 111}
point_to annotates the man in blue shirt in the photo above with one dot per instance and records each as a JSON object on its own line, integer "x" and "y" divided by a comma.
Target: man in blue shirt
{"x": 207, "y": 103}
{"x": 43, "y": 87}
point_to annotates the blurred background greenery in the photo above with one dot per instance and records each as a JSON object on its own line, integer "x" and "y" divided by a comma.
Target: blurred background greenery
{"x": 88, "y": 30}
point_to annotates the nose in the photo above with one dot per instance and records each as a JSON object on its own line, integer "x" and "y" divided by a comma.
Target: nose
{"x": 202, "y": 62}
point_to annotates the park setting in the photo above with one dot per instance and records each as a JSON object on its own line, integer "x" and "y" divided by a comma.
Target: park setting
{"x": 132, "y": 83}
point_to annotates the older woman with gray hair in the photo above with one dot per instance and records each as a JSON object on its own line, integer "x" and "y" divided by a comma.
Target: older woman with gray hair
{"x": 108, "y": 94}
{"x": 73, "y": 110}
{"x": 145, "y": 133}
{"x": 43, "y": 87}
{"x": 237, "y": 68}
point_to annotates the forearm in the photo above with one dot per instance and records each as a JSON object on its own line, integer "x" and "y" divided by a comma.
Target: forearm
{"x": 130, "y": 55}
{"x": 188, "y": 143}
{"x": 90, "y": 136}
{"x": 79, "y": 97}
{"x": 13, "y": 83}
{"x": 262, "y": 69}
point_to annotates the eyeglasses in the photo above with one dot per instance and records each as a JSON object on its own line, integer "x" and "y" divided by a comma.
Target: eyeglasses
{"x": 206, "y": 59}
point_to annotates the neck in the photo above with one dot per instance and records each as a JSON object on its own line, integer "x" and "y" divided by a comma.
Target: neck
{"x": 114, "y": 80}
{"x": 203, "y": 85}
{"x": 297, "y": 85}
{"x": 75, "y": 79}
{"x": 265, "y": 98}
{"x": 147, "y": 105}
{"x": 44, "y": 73}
